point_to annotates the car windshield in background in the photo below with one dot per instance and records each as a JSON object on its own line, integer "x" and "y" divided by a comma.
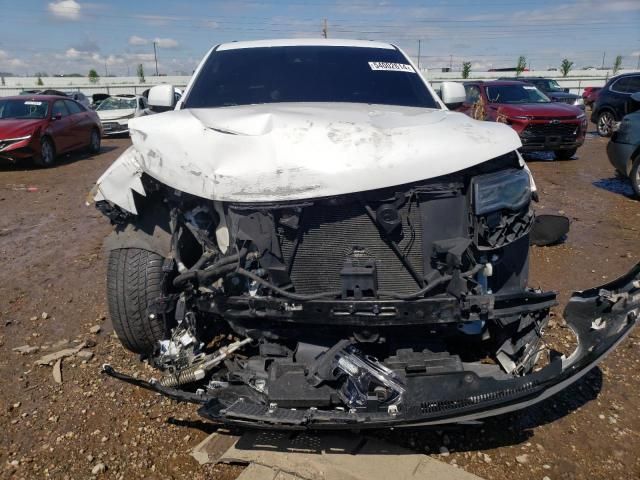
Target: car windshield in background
{"x": 114, "y": 103}
{"x": 515, "y": 94}
{"x": 23, "y": 109}
{"x": 549, "y": 85}
{"x": 308, "y": 74}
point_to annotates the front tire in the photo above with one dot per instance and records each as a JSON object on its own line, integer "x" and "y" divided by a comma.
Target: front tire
{"x": 47, "y": 155}
{"x": 634, "y": 176}
{"x": 606, "y": 120}
{"x": 134, "y": 280}
{"x": 94, "y": 141}
{"x": 566, "y": 154}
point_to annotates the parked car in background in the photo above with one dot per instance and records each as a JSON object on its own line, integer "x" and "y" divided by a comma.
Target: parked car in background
{"x": 116, "y": 111}
{"x": 540, "y": 123}
{"x": 590, "y": 95}
{"x": 624, "y": 147}
{"x": 552, "y": 89}
{"x": 44, "y": 126}
{"x": 75, "y": 95}
{"x": 614, "y": 102}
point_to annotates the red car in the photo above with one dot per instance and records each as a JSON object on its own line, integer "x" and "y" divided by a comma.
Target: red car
{"x": 44, "y": 126}
{"x": 540, "y": 123}
{"x": 590, "y": 95}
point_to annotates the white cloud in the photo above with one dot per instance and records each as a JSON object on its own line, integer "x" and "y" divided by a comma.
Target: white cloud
{"x": 65, "y": 9}
{"x": 210, "y": 24}
{"x": 3, "y": 55}
{"x": 73, "y": 53}
{"x": 166, "y": 42}
{"x": 135, "y": 40}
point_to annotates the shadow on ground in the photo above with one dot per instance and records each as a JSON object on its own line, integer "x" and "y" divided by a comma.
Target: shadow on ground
{"x": 620, "y": 186}
{"x": 65, "y": 159}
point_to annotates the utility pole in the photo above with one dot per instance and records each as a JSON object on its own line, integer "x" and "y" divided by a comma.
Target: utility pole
{"x": 603, "y": 54}
{"x": 106, "y": 73}
{"x": 450, "y": 62}
{"x": 638, "y": 61}
{"x": 419, "y": 47}
{"x": 325, "y": 29}
{"x": 155, "y": 55}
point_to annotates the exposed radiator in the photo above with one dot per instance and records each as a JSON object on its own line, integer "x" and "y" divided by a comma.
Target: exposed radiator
{"x": 329, "y": 236}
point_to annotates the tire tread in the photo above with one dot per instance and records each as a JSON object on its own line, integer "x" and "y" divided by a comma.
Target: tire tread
{"x": 134, "y": 279}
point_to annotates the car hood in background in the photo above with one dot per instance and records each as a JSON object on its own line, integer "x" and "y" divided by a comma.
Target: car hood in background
{"x": 560, "y": 95}
{"x": 112, "y": 115}
{"x": 10, "y": 128}
{"x": 556, "y": 110}
{"x": 294, "y": 151}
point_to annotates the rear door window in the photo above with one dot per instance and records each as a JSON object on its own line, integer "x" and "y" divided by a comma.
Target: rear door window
{"x": 73, "y": 107}
{"x": 59, "y": 108}
{"x": 633, "y": 85}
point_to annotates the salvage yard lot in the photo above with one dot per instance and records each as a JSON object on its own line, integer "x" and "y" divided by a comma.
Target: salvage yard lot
{"x": 52, "y": 287}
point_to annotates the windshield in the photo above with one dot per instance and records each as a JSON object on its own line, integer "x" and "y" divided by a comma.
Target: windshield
{"x": 308, "y": 74}
{"x": 23, "y": 109}
{"x": 516, "y": 94}
{"x": 116, "y": 103}
{"x": 549, "y": 85}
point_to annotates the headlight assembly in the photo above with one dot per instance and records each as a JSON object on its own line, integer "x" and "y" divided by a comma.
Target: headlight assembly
{"x": 504, "y": 189}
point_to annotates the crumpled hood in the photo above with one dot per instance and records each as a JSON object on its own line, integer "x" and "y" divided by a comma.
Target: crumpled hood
{"x": 295, "y": 151}
{"x": 112, "y": 115}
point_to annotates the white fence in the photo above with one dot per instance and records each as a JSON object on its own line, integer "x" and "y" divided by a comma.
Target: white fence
{"x": 575, "y": 81}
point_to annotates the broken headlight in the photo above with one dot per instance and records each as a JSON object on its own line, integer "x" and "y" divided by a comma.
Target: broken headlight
{"x": 504, "y": 189}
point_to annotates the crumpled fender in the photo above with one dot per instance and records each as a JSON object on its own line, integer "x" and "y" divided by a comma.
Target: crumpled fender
{"x": 120, "y": 180}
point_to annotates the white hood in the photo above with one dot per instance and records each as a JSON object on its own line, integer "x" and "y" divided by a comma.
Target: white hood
{"x": 279, "y": 152}
{"x": 112, "y": 115}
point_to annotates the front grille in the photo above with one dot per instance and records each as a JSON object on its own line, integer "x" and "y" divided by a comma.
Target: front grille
{"x": 538, "y": 133}
{"x": 330, "y": 234}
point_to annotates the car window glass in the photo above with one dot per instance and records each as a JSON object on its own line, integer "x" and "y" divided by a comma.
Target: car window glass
{"x": 73, "y": 107}
{"x": 633, "y": 85}
{"x": 473, "y": 93}
{"x": 59, "y": 108}
{"x": 308, "y": 74}
{"x": 621, "y": 85}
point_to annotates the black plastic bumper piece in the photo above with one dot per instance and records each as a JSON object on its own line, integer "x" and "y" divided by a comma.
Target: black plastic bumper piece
{"x": 600, "y": 317}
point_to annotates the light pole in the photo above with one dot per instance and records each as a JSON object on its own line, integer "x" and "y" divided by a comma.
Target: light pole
{"x": 155, "y": 55}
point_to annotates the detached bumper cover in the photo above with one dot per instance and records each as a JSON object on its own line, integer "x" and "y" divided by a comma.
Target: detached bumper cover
{"x": 600, "y": 318}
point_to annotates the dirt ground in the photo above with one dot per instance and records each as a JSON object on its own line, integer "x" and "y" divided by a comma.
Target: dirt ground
{"x": 52, "y": 291}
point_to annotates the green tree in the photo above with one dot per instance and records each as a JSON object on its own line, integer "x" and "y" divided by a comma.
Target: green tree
{"x": 39, "y": 82}
{"x": 140, "y": 72}
{"x": 3, "y": 82}
{"x": 565, "y": 67}
{"x": 466, "y": 69}
{"x": 617, "y": 64}
{"x": 522, "y": 64}
{"x": 93, "y": 76}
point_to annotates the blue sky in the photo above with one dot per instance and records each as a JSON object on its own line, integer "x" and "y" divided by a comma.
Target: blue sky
{"x": 64, "y": 36}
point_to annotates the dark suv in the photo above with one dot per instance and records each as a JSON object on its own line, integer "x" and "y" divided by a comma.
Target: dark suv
{"x": 553, "y": 90}
{"x": 614, "y": 102}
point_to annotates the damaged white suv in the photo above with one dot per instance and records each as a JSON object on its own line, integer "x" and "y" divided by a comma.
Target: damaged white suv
{"x": 313, "y": 240}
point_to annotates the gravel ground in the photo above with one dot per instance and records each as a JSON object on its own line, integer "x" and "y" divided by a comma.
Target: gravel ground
{"x": 52, "y": 288}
